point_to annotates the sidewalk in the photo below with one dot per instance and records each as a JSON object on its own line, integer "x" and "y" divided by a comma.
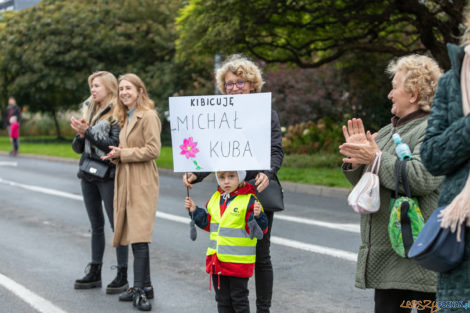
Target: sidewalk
{"x": 286, "y": 185}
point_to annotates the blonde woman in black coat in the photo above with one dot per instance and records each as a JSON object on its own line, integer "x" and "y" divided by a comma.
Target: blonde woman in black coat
{"x": 96, "y": 131}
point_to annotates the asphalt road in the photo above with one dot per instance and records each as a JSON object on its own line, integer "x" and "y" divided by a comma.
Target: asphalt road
{"x": 45, "y": 246}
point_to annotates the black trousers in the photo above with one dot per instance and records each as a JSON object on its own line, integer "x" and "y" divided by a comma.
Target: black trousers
{"x": 390, "y": 300}
{"x": 94, "y": 193}
{"x": 264, "y": 270}
{"x": 141, "y": 265}
{"x": 232, "y": 297}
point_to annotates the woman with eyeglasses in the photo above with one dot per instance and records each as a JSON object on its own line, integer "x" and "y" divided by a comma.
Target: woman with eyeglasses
{"x": 238, "y": 75}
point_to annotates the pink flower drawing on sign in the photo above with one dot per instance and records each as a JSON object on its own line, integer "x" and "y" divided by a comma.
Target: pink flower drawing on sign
{"x": 188, "y": 149}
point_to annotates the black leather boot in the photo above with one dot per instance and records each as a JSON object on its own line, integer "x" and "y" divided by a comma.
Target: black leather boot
{"x": 119, "y": 284}
{"x": 130, "y": 293}
{"x": 141, "y": 302}
{"x": 92, "y": 279}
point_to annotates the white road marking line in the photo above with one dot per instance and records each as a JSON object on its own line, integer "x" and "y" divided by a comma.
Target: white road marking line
{"x": 350, "y": 256}
{"x": 354, "y": 228}
{"x": 34, "y": 300}
{"x": 174, "y": 218}
{"x": 43, "y": 190}
{"x": 7, "y": 163}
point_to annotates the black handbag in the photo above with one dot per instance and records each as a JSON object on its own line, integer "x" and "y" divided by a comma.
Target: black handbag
{"x": 94, "y": 167}
{"x": 437, "y": 248}
{"x": 271, "y": 198}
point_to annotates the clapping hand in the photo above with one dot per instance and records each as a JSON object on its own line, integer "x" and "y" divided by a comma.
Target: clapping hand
{"x": 354, "y": 132}
{"x": 360, "y": 153}
{"x": 79, "y": 125}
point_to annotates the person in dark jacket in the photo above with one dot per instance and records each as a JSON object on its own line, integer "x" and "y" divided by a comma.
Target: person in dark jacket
{"x": 12, "y": 110}
{"x": 238, "y": 75}
{"x": 446, "y": 151}
{"x": 96, "y": 131}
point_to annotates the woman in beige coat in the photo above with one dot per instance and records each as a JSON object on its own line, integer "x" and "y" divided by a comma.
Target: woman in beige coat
{"x": 136, "y": 183}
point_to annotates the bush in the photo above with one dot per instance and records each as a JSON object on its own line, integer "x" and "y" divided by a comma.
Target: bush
{"x": 310, "y": 137}
{"x": 38, "y": 124}
{"x": 300, "y": 95}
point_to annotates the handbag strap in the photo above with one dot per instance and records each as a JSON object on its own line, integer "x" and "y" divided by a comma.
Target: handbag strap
{"x": 376, "y": 164}
{"x": 404, "y": 176}
{"x": 406, "y": 231}
{"x": 400, "y": 170}
{"x": 405, "y": 221}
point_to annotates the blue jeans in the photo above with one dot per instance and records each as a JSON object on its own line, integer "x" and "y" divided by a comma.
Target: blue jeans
{"x": 93, "y": 194}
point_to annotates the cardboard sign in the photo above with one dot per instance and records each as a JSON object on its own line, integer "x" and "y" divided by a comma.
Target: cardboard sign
{"x": 221, "y": 132}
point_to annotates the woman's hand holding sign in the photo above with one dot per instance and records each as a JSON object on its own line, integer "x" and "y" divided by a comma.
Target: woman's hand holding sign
{"x": 188, "y": 179}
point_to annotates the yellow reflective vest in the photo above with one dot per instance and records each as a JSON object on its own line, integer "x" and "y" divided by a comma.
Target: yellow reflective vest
{"x": 228, "y": 236}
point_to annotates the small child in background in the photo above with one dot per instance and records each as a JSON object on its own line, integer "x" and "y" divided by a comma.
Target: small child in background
{"x": 14, "y": 134}
{"x": 235, "y": 220}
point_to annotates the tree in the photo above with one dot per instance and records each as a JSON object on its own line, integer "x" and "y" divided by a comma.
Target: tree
{"x": 353, "y": 87}
{"x": 310, "y": 33}
{"x": 50, "y": 49}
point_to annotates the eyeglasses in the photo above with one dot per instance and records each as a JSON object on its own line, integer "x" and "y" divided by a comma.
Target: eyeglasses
{"x": 240, "y": 84}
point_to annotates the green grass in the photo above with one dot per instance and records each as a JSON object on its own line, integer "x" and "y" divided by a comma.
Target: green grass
{"x": 63, "y": 148}
{"x": 43, "y": 146}
{"x": 295, "y": 170}
{"x": 331, "y": 177}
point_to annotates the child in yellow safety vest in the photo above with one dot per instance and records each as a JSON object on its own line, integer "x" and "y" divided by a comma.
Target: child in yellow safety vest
{"x": 235, "y": 220}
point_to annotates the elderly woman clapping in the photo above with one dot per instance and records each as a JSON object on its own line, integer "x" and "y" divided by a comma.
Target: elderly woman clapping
{"x": 395, "y": 278}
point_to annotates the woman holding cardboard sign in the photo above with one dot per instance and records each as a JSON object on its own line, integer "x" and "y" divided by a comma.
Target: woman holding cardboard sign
{"x": 238, "y": 75}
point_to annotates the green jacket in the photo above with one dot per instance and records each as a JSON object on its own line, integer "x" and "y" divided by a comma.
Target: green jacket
{"x": 446, "y": 151}
{"x": 378, "y": 266}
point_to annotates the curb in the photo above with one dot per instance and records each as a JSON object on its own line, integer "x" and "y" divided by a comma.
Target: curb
{"x": 314, "y": 190}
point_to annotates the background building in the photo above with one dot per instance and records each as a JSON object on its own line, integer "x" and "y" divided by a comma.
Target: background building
{"x": 16, "y": 4}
